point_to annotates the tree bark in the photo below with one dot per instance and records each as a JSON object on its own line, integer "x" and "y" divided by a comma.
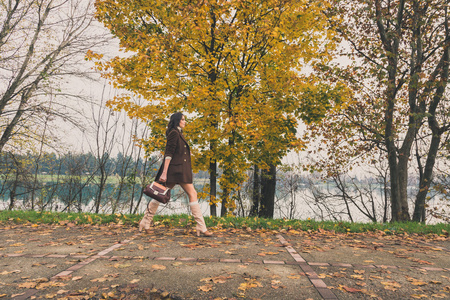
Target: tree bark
{"x": 268, "y": 187}
{"x": 213, "y": 188}
{"x": 256, "y": 194}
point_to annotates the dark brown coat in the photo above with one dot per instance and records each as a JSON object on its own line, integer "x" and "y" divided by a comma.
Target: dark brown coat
{"x": 180, "y": 169}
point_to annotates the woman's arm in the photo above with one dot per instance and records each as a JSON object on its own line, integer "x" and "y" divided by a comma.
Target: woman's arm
{"x": 163, "y": 176}
{"x": 171, "y": 146}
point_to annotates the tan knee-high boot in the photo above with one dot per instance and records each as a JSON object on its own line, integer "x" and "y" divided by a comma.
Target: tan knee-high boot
{"x": 147, "y": 220}
{"x": 198, "y": 216}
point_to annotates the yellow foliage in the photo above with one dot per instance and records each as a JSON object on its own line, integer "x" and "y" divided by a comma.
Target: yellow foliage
{"x": 233, "y": 67}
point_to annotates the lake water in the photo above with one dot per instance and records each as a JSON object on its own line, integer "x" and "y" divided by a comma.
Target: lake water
{"x": 299, "y": 205}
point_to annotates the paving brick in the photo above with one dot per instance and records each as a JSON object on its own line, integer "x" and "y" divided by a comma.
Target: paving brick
{"x": 318, "y": 264}
{"x": 432, "y": 269}
{"x": 385, "y": 267}
{"x": 306, "y": 268}
{"x": 250, "y": 261}
{"x": 318, "y": 283}
{"x": 274, "y": 262}
{"x": 186, "y": 259}
{"x": 327, "y": 294}
{"x": 37, "y": 255}
{"x": 342, "y": 265}
{"x": 224, "y": 260}
{"x": 79, "y": 256}
{"x": 164, "y": 258}
{"x": 293, "y": 263}
{"x": 363, "y": 266}
{"x": 297, "y": 257}
{"x": 208, "y": 260}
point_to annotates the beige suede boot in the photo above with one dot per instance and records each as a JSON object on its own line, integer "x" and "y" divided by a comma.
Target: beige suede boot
{"x": 147, "y": 220}
{"x": 198, "y": 216}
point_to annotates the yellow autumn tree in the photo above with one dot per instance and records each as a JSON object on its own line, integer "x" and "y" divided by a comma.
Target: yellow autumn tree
{"x": 233, "y": 67}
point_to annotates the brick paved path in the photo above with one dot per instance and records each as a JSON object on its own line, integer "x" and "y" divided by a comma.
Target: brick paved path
{"x": 90, "y": 261}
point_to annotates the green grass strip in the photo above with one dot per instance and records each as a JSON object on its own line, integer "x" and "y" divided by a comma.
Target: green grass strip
{"x": 22, "y": 217}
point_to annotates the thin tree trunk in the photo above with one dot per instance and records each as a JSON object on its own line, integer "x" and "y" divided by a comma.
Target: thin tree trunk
{"x": 213, "y": 188}
{"x": 256, "y": 195}
{"x": 268, "y": 186}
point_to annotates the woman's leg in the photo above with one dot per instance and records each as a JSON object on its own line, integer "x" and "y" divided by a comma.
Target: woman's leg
{"x": 150, "y": 212}
{"x": 195, "y": 209}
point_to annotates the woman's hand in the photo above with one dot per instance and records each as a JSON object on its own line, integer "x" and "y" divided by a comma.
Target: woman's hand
{"x": 163, "y": 176}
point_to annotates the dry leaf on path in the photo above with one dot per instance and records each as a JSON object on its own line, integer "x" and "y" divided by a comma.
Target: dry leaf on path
{"x": 158, "y": 267}
{"x": 10, "y": 272}
{"x": 418, "y": 283}
{"x": 391, "y": 285}
{"x": 206, "y": 288}
{"x": 50, "y": 296}
{"x": 60, "y": 292}
{"x": 122, "y": 266}
{"x": 349, "y": 289}
{"x": 27, "y": 285}
{"x": 77, "y": 278}
{"x": 252, "y": 283}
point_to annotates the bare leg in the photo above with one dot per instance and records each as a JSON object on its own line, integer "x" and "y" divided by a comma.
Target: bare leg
{"x": 150, "y": 212}
{"x": 195, "y": 209}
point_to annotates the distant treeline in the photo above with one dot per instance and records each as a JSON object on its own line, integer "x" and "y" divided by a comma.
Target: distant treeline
{"x": 75, "y": 180}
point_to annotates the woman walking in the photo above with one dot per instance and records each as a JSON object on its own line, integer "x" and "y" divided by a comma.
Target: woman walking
{"x": 176, "y": 169}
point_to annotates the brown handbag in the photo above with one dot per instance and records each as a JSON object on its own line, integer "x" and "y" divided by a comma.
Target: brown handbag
{"x": 158, "y": 192}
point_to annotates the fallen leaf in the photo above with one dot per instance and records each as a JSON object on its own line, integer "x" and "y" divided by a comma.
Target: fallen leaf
{"x": 60, "y": 292}
{"x": 10, "y": 272}
{"x": 418, "y": 283}
{"x": 135, "y": 280}
{"x": 28, "y": 285}
{"x": 416, "y": 296}
{"x": 252, "y": 283}
{"x": 77, "y": 278}
{"x": 349, "y": 289}
{"x": 16, "y": 295}
{"x": 50, "y": 296}
{"x": 391, "y": 285}
{"x": 440, "y": 296}
{"x": 205, "y": 288}
{"x": 122, "y": 266}
{"x": 158, "y": 267}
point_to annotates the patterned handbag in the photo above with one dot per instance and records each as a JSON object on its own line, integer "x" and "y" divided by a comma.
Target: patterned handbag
{"x": 158, "y": 192}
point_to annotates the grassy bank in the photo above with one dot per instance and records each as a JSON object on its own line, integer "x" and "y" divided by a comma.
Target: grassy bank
{"x": 21, "y": 217}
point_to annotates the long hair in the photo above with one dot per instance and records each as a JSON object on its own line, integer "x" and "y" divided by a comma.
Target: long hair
{"x": 174, "y": 122}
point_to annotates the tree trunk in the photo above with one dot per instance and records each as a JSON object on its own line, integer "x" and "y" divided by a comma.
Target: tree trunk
{"x": 268, "y": 186}
{"x": 403, "y": 162}
{"x": 256, "y": 195}
{"x": 213, "y": 188}
{"x": 419, "y": 208}
{"x": 12, "y": 193}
